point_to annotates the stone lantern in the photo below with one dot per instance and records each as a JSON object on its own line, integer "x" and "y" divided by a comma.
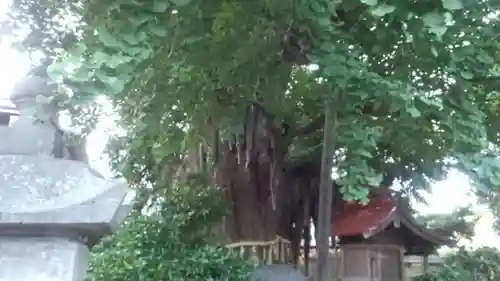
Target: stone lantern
{"x": 52, "y": 210}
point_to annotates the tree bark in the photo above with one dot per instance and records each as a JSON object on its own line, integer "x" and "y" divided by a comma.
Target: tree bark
{"x": 326, "y": 193}
{"x": 266, "y": 195}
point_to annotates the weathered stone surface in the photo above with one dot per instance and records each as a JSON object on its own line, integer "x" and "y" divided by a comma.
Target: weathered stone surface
{"x": 51, "y": 212}
{"x": 278, "y": 272}
{"x": 42, "y": 183}
{"x": 42, "y": 259}
{"x": 54, "y": 196}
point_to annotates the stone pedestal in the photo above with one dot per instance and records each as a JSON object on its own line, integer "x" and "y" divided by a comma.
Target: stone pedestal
{"x": 278, "y": 272}
{"x": 42, "y": 259}
{"x": 52, "y": 210}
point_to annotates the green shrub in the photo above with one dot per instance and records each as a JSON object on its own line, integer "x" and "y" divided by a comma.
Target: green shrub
{"x": 482, "y": 264}
{"x": 171, "y": 242}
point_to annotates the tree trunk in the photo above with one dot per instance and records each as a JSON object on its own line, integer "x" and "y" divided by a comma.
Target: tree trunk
{"x": 252, "y": 169}
{"x": 325, "y": 193}
{"x": 267, "y": 197}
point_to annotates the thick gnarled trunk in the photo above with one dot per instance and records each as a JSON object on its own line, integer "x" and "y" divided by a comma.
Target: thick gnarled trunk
{"x": 267, "y": 196}
{"x": 252, "y": 169}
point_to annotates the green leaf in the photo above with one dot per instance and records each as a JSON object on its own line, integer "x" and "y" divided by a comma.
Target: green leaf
{"x": 494, "y": 72}
{"x": 158, "y": 30}
{"x": 160, "y": 6}
{"x": 180, "y": 2}
{"x": 82, "y": 75}
{"x": 131, "y": 39}
{"x": 98, "y": 58}
{"x": 413, "y": 111}
{"x": 374, "y": 180}
{"x": 435, "y": 23}
{"x": 364, "y": 152}
{"x": 370, "y": 2}
{"x": 452, "y": 4}
{"x": 140, "y": 19}
{"x": 71, "y": 62}
{"x": 434, "y": 51}
{"x": 106, "y": 38}
{"x": 382, "y": 10}
{"x": 118, "y": 60}
{"x": 485, "y": 58}
{"x": 467, "y": 75}
{"x": 113, "y": 84}
{"x": 433, "y": 19}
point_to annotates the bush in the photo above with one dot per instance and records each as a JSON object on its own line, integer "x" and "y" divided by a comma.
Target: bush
{"x": 172, "y": 242}
{"x": 482, "y": 264}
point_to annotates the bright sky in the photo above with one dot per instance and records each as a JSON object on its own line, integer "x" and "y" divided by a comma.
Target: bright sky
{"x": 445, "y": 196}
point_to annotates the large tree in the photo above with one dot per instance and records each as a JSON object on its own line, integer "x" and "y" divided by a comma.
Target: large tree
{"x": 232, "y": 92}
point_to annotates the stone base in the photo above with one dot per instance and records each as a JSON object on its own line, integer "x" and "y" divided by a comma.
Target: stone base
{"x": 42, "y": 259}
{"x": 277, "y": 272}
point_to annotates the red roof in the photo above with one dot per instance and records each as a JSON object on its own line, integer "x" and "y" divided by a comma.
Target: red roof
{"x": 357, "y": 219}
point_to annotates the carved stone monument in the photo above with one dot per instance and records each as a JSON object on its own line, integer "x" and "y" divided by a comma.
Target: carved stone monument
{"x": 52, "y": 210}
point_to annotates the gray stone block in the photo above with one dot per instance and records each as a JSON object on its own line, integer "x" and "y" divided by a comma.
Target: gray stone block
{"x": 278, "y": 272}
{"x": 42, "y": 259}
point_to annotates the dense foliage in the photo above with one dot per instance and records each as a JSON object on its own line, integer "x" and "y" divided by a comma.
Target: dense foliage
{"x": 171, "y": 241}
{"x": 234, "y": 90}
{"x": 414, "y": 81}
{"x": 481, "y": 264}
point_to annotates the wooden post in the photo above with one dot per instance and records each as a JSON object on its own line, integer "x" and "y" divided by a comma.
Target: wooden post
{"x": 425, "y": 264}
{"x": 325, "y": 193}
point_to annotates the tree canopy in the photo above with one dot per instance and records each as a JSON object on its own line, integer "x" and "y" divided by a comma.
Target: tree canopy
{"x": 414, "y": 82}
